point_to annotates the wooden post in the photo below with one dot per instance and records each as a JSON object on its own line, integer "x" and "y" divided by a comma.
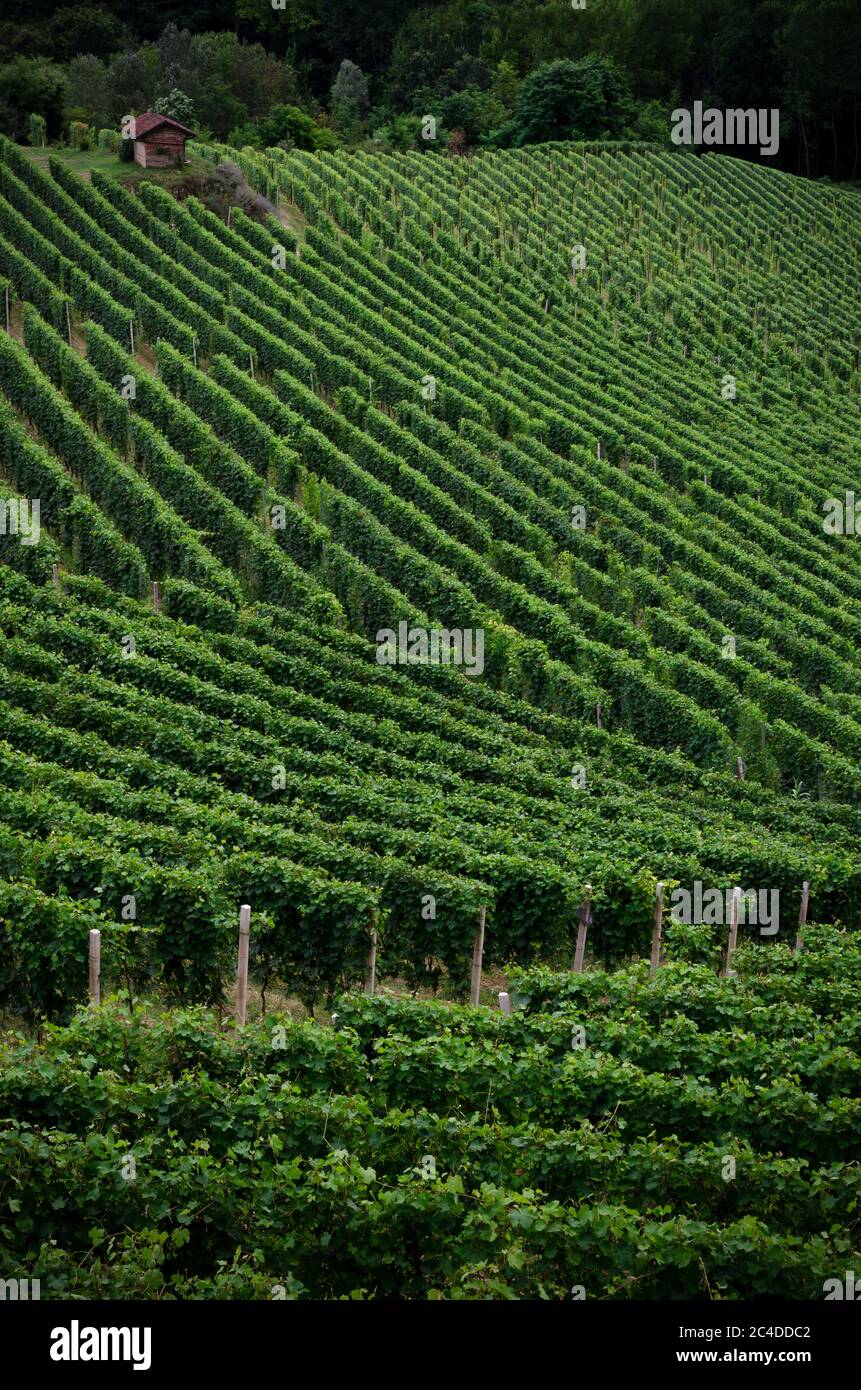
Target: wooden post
{"x": 656, "y": 933}
{"x": 194, "y": 348}
{"x": 230, "y": 214}
{"x": 68, "y": 324}
{"x": 242, "y": 966}
{"x": 55, "y": 576}
{"x": 477, "y": 957}
{"x": 95, "y": 955}
{"x": 802, "y": 914}
{"x": 132, "y": 335}
{"x": 598, "y": 716}
{"x": 504, "y": 1002}
{"x": 740, "y": 769}
{"x": 371, "y": 982}
{"x": 585, "y": 914}
{"x": 8, "y": 315}
{"x": 733, "y": 931}
{"x": 251, "y": 364}
{"x": 156, "y": 598}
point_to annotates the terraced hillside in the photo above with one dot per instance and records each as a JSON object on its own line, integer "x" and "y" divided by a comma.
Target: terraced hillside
{"x": 422, "y": 414}
{"x": 597, "y": 404}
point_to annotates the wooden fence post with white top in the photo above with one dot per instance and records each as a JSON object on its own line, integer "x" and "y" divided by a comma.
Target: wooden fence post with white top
{"x": 477, "y": 958}
{"x": 95, "y": 963}
{"x": 733, "y": 932}
{"x": 658, "y": 927}
{"x": 242, "y": 966}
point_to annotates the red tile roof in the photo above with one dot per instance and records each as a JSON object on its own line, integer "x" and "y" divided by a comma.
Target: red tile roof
{"x": 148, "y": 121}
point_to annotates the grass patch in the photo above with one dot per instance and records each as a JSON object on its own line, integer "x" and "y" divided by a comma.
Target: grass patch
{"x": 83, "y": 162}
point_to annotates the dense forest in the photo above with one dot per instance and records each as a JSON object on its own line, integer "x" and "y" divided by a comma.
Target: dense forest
{"x": 313, "y": 74}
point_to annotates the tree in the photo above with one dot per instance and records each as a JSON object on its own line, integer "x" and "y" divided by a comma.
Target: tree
{"x": 129, "y": 84}
{"x": 254, "y": 79}
{"x": 88, "y": 90}
{"x": 285, "y": 125}
{"x": 85, "y": 29}
{"x": 471, "y": 112}
{"x": 820, "y": 50}
{"x": 433, "y": 41}
{"x": 31, "y": 86}
{"x": 505, "y": 84}
{"x": 178, "y": 106}
{"x": 349, "y": 97}
{"x": 37, "y": 130}
{"x": 584, "y": 100}
{"x": 181, "y": 63}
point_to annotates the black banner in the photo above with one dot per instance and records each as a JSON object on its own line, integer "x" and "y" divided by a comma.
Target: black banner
{"x": 79, "y": 1339}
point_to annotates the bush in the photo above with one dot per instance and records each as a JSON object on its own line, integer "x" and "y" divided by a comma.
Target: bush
{"x": 37, "y": 131}
{"x": 80, "y": 135}
{"x": 585, "y": 100}
{"x": 110, "y": 140}
{"x": 285, "y": 125}
{"x": 405, "y": 133}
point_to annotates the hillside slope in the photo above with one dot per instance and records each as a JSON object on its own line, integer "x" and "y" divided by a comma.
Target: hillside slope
{"x": 590, "y": 402}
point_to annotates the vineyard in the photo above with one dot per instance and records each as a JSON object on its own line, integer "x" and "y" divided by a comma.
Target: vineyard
{"x": 595, "y": 406}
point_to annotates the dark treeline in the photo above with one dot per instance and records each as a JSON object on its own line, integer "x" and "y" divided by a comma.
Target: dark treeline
{"x": 320, "y": 72}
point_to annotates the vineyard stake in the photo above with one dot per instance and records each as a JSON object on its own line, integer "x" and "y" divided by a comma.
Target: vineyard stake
{"x": 656, "y": 934}
{"x": 733, "y": 931}
{"x": 68, "y": 324}
{"x": 55, "y": 576}
{"x": 371, "y": 982}
{"x": 477, "y": 957}
{"x": 251, "y": 365}
{"x": 132, "y": 335}
{"x": 802, "y": 913}
{"x": 8, "y": 318}
{"x": 194, "y": 348}
{"x": 95, "y": 961}
{"x": 156, "y": 598}
{"x": 242, "y": 966}
{"x": 229, "y": 214}
{"x": 584, "y": 913}
{"x": 505, "y": 1002}
{"x": 598, "y": 716}
{"x": 740, "y": 769}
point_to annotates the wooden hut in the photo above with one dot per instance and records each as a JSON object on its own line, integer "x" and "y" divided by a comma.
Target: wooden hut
{"x": 160, "y": 141}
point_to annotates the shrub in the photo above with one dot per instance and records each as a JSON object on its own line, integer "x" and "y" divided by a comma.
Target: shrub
{"x": 80, "y": 135}
{"x": 37, "y": 131}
